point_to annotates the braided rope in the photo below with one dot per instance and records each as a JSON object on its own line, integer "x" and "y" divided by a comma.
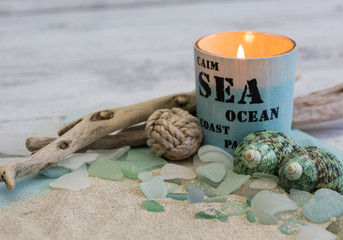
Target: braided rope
{"x": 173, "y": 133}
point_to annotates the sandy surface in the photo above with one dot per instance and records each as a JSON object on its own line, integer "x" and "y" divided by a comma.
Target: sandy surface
{"x": 113, "y": 210}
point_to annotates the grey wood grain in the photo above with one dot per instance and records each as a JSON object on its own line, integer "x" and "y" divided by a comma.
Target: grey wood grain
{"x": 60, "y": 57}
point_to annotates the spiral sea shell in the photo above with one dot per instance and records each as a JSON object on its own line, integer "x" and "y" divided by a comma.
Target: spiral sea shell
{"x": 262, "y": 152}
{"x": 311, "y": 168}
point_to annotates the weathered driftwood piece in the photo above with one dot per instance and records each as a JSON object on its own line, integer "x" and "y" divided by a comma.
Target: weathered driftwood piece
{"x": 133, "y": 136}
{"x": 321, "y": 106}
{"x": 86, "y": 130}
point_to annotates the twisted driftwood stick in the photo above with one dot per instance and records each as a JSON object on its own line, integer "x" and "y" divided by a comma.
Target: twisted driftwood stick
{"x": 86, "y": 130}
{"x": 322, "y": 106}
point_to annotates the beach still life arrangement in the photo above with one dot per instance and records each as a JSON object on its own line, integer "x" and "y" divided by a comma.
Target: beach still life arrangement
{"x": 247, "y": 149}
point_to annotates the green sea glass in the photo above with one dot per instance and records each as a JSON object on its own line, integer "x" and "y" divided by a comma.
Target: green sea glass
{"x": 266, "y": 176}
{"x": 175, "y": 171}
{"x": 212, "y": 213}
{"x": 250, "y": 216}
{"x": 300, "y": 197}
{"x": 112, "y": 154}
{"x": 128, "y": 169}
{"x": 54, "y": 172}
{"x": 234, "y": 208}
{"x": 248, "y": 201}
{"x": 143, "y": 158}
{"x": 216, "y": 199}
{"x": 172, "y": 187}
{"x": 290, "y": 227}
{"x": 215, "y": 172}
{"x": 152, "y": 206}
{"x": 231, "y": 183}
{"x": 266, "y": 184}
{"x": 155, "y": 188}
{"x": 309, "y": 232}
{"x": 144, "y": 176}
{"x": 208, "y": 190}
{"x": 178, "y": 196}
{"x": 105, "y": 169}
{"x": 209, "y": 153}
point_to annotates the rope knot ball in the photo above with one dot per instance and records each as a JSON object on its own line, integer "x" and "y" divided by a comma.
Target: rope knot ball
{"x": 173, "y": 133}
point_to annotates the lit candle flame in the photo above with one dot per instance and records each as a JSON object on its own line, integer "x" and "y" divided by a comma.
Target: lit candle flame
{"x": 240, "y": 52}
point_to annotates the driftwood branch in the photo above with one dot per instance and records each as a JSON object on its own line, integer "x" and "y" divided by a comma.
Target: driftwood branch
{"x": 89, "y": 128}
{"x": 133, "y": 136}
{"x": 321, "y": 106}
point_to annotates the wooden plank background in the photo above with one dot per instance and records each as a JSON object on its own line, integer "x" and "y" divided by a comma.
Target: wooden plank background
{"x": 60, "y": 57}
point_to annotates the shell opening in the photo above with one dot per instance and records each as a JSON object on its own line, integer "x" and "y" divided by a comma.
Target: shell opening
{"x": 294, "y": 171}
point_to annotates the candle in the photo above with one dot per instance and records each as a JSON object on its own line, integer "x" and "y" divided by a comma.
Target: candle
{"x": 244, "y": 83}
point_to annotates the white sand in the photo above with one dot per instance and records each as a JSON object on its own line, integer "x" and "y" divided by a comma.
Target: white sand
{"x": 113, "y": 210}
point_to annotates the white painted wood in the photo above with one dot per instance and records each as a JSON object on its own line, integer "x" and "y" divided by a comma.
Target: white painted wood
{"x": 59, "y": 57}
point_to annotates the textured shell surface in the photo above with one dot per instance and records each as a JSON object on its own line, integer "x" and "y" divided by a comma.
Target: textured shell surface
{"x": 315, "y": 168}
{"x": 262, "y": 152}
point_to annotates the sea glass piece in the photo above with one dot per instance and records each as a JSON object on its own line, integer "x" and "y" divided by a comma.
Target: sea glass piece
{"x": 172, "y": 187}
{"x": 208, "y": 181}
{"x": 265, "y": 184}
{"x": 178, "y": 196}
{"x": 14, "y": 146}
{"x": 208, "y": 190}
{"x": 215, "y": 172}
{"x": 155, "y": 188}
{"x": 231, "y": 183}
{"x": 245, "y": 191}
{"x": 112, "y": 154}
{"x": 300, "y": 197}
{"x": 174, "y": 171}
{"x": 49, "y": 129}
{"x": 267, "y": 176}
{"x": 212, "y": 213}
{"x": 216, "y": 199}
{"x": 234, "y": 207}
{"x": 54, "y": 172}
{"x": 248, "y": 201}
{"x": 152, "y": 206}
{"x": 209, "y": 153}
{"x": 105, "y": 169}
{"x": 195, "y": 195}
{"x": 76, "y": 160}
{"x": 197, "y": 162}
{"x": 128, "y": 169}
{"x": 326, "y": 204}
{"x": 144, "y": 176}
{"x": 250, "y": 216}
{"x": 290, "y": 227}
{"x": 313, "y": 232}
{"x": 143, "y": 158}
{"x": 265, "y": 204}
{"x": 336, "y": 226}
{"x": 76, "y": 180}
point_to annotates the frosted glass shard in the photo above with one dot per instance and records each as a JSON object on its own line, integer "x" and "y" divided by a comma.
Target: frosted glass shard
{"x": 197, "y": 162}
{"x": 152, "y": 206}
{"x": 208, "y": 181}
{"x": 172, "y": 187}
{"x": 49, "y": 129}
{"x": 74, "y": 181}
{"x": 234, "y": 208}
{"x": 144, "y": 159}
{"x": 290, "y": 227}
{"x": 112, "y": 154}
{"x": 336, "y": 226}
{"x": 155, "y": 188}
{"x": 208, "y": 153}
{"x": 195, "y": 195}
{"x": 76, "y": 160}
{"x": 105, "y": 169}
{"x": 54, "y": 172}
{"x": 251, "y": 216}
{"x": 248, "y": 201}
{"x": 266, "y": 184}
{"x": 267, "y": 176}
{"x": 267, "y": 203}
{"x": 300, "y": 197}
{"x": 128, "y": 169}
{"x": 144, "y": 176}
{"x": 174, "y": 171}
{"x": 212, "y": 213}
{"x": 14, "y": 146}
{"x": 313, "y": 232}
{"x": 178, "y": 196}
{"x": 326, "y": 204}
{"x": 215, "y": 172}
{"x": 208, "y": 190}
{"x": 266, "y": 218}
{"x": 231, "y": 183}
{"x": 216, "y": 199}
{"x": 245, "y": 190}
